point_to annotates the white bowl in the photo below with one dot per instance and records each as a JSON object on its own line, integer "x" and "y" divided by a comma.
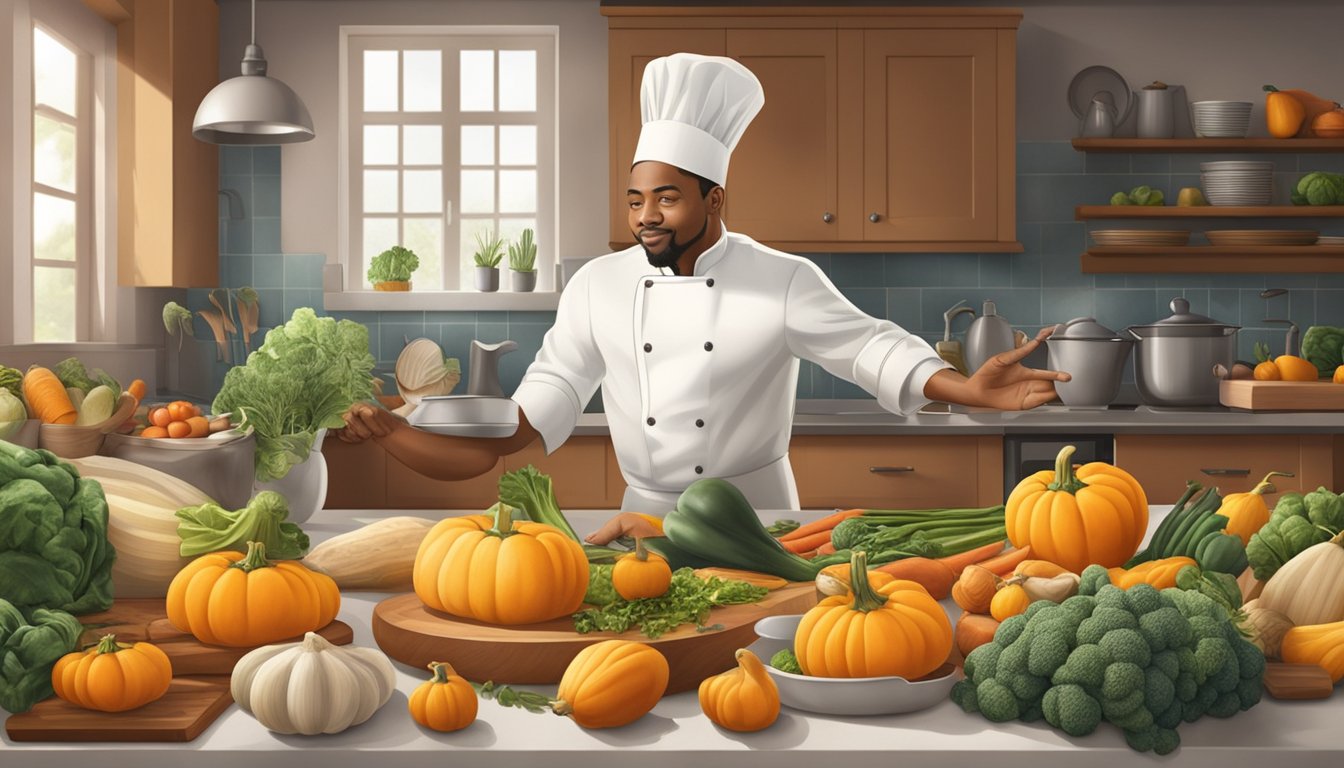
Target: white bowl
{"x": 846, "y": 695}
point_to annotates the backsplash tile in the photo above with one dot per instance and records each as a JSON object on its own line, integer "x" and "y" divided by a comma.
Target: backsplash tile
{"x": 1041, "y": 285}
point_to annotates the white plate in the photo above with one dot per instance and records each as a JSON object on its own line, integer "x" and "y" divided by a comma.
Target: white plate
{"x": 471, "y": 430}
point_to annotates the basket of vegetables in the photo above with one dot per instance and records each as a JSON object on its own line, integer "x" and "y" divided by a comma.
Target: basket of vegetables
{"x": 77, "y": 409}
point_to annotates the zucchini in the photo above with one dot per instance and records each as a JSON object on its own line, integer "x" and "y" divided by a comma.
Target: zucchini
{"x": 1162, "y": 536}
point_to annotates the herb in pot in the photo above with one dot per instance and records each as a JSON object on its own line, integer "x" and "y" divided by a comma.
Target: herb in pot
{"x": 394, "y": 265}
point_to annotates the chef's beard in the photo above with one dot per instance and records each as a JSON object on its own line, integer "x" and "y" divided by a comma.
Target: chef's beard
{"x": 674, "y": 250}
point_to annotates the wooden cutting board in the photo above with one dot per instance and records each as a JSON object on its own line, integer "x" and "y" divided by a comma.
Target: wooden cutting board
{"x": 198, "y": 694}
{"x": 413, "y": 634}
{"x": 1281, "y": 395}
{"x": 1297, "y": 681}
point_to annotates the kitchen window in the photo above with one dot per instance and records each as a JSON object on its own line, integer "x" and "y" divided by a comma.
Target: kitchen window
{"x": 448, "y": 135}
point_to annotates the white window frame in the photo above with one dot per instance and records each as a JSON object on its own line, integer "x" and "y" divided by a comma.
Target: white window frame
{"x": 449, "y": 39}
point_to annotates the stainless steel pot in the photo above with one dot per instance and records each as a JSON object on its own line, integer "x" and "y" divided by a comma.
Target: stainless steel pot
{"x": 1093, "y": 355}
{"x": 1174, "y": 358}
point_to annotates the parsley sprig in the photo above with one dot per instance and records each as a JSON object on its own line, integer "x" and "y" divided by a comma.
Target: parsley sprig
{"x": 688, "y": 600}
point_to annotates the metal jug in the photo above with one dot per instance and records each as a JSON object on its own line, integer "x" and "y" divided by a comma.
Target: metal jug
{"x": 1101, "y": 117}
{"x": 988, "y": 335}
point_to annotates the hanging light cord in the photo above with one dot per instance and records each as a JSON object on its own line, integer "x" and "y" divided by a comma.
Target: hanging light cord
{"x": 254, "y": 22}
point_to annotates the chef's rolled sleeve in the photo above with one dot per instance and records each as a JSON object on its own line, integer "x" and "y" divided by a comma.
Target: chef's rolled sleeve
{"x": 566, "y": 372}
{"x": 885, "y": 360}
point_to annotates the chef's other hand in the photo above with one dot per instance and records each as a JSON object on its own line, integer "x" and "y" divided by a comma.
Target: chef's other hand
{"x": 625, "y": 524}
{"x": 1004, "y": 383}
{"x": 365, "y": 420}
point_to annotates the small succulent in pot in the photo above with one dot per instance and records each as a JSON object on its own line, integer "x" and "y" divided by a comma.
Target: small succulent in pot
{"x": 523, "y": 262}
{"x": 489, "y": 251}
{"x": 391, "y": 270}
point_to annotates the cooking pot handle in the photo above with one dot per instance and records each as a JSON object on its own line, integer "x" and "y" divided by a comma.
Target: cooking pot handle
{"x": 1130, "y": 331}
{"x": 1231, "y": 329}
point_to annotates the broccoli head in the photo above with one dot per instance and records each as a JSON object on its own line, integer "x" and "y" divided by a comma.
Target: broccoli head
{"x": 785, "y": 661}
{"x": 996, "y": 701}
{"x": 1094, "y": 577}
{"x": 1049, "y": 651}
{"x": 983, "y": 662}
{"x": 1165, "y": 628}
{"x": 1159, "y": 692}
{"x": 1121, "y": 679}
{"x": 1069, "y": 708}
{"x": 1127, "y": 645}
{"x": 964, "y": 696}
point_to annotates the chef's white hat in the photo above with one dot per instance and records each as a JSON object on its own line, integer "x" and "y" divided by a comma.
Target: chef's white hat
{"x": 694, "y": 109}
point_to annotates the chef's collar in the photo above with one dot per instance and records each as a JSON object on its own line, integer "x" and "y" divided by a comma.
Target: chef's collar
{"x": 707, "y": 260}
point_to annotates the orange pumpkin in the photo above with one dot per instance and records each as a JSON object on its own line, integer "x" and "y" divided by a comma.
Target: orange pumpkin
{"x": 244, "y": 600}
{"x": 1283, "y": 113}
{"x": 893, "y": 629}
{"x": 112, "y": 677}
{"x": 445, "y": 702}
{"x": 612, "y": 683}
{"x": 641, "y": 574}
{"x": 744, "y": 698}
{"x": 1097, "y": 513}
{"x": 500, "y": 571}
{"x": 1329, "y": 125}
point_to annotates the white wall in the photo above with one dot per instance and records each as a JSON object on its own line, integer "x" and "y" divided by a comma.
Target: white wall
{"x": 301, "y": 43}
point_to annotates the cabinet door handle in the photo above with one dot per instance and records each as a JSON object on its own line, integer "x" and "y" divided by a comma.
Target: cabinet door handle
{"x": 827, "y": 217}
{"x": 1238, "y": 472}
{"x": 889, "y": 470}
{"x": 873, "y": 217}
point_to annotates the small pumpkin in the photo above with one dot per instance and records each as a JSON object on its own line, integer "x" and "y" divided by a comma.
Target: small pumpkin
{"x": 612, "y": 683}
{"x": 112, "y": 677}
{"x": 742, "y": 699}
{"x": 242, "y": 600}
{"x": 1329, "y": 125}
{"x": 1159, "y": 574}
{"x": 1247, "y": 513}
{"x": 641, "y": 574}
{"x": 445, "y": 702}
{"x": 1284, "y": 114}
{"x": 974, "y": 630}
{"x": 1009, "y": 602}
{"x": 1309, "y": 588}
{"x": 1097, "y": 513}
{"x": 1319, "y": 644}
{"x": 893, "y": 629}
{"x": 1313, "y": 105}
{"x": 499, "y": 571}
{"x": 312, "y": 686}
{"x": 975, "y": 588}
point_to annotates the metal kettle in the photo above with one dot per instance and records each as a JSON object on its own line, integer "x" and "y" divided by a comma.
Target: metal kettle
{"x": 988, "y": 335}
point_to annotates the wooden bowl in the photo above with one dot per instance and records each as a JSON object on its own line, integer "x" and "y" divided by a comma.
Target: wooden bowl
{"x": 72, "y": 442}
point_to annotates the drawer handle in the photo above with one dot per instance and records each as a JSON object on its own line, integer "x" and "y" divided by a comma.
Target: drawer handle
{"x": 1238, "y": 472}
{"x": 889, "y": 470}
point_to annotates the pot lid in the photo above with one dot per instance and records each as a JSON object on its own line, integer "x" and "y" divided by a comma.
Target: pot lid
{"x": 1183, "y": 322}
{"x": 1083, "y": 328}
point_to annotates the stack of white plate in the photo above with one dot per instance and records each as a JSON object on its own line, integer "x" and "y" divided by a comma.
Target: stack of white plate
{"x": 1221, "y": 119}
{"x": 1237, "y": 182}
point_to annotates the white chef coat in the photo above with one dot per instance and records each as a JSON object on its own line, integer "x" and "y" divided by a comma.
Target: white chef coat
{"x": 699, "y": 373}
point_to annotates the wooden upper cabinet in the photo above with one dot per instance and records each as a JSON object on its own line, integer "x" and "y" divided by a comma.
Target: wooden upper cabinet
{"x": 884, "y": 129}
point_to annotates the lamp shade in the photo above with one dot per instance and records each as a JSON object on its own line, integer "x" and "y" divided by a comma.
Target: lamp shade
{"x": 252, "y": 109}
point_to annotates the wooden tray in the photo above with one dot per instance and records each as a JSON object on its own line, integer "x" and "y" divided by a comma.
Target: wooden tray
{"x": 1254, "y": 395}
{"x": 413, "y": 634}
{"x": 198, "y": 694}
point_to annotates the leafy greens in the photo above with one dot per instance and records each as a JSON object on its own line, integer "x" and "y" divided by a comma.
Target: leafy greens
{"x": 210, "y": 528}
{"x": 393, "y": 265}
{"x": 688, "y": 599}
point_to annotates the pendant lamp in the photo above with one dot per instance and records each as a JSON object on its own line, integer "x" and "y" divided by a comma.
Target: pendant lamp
{"x": 252, "y": 108}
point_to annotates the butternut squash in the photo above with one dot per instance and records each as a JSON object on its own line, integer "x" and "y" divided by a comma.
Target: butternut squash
{"x": 1319, "y": 644}
{"x": 1247, "y": 513}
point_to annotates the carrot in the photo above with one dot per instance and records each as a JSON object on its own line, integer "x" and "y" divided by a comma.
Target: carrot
{"x": 137, "y": 390}
{"x": 807, "y": 543}
{"x": 824, "y": 525}
{"x": 826, "y": 549}
{"x": 959, "y": 561}
{"x": 1006, "y": 562}
{"x": 974, "y": 630}
{"x": 931, "y": 574}
{"x": 47, "y": 397}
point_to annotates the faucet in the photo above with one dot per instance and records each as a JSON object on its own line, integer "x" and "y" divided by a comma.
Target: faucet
{"x": 483, "y": 365}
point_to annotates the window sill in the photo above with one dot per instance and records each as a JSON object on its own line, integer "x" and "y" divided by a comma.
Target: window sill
{"x": 463, "y": 301}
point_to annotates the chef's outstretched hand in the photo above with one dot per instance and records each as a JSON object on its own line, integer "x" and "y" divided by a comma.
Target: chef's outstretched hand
{"x": 366, "y": 420}
{"x": 1002, "y": 382}
{"x": 624, "y": 524}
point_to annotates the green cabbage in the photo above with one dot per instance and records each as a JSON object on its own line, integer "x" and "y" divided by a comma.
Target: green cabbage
{"x": 394, "y": 264}
{"x": 12, "y": 380}
{"x": 29, "y": 648}
{"x": 72, "y": 373}
{"x": 1323, "y": 346}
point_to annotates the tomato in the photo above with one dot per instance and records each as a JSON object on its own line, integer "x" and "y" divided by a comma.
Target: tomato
{"x": 200, "y": 426}
{"x": 159, "y": 417}
{"x": 181, "y": 410}
{"x": 154, "y": 432}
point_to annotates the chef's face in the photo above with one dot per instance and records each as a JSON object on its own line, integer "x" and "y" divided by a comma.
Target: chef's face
{"x": 668, "y": 213}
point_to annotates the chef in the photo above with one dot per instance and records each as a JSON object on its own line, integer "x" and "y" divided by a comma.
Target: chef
{"x": 695, "y": 334}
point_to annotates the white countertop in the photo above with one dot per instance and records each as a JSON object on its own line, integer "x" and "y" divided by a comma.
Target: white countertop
{"x": 676, "y": 733}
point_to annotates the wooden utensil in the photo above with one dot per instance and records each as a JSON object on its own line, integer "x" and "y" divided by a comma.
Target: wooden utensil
{"x": 415, "y": 635}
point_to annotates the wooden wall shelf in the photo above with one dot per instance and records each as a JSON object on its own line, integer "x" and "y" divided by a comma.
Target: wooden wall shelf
{"x": 1209, "y": 145}
{"x": 1088, "y": 212}
{"x": 1216, "y": 259}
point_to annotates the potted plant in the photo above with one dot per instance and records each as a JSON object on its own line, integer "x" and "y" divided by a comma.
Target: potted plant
{"x": 523, "y": 263}
{"x": 489, "y": 250}
{"x": 391, "y": 270}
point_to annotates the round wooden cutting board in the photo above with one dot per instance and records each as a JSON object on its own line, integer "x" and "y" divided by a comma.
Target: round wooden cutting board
{"x": 413, "y": 634}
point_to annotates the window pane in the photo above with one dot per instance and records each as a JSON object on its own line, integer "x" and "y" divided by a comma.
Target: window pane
{"x": 422, "y": 191}
{"x": 478, "y": 192}
{"x": 423, "y": 82}
{"x": 55, "y": 82}
{"x": 478, "y": 145}
{"x": 53, "y": 153}
{"x": 517, "y": 191}
{"x": 53, "y": 228}
{"x": 517, "y": 81}
{"x": 478, "y": 81}
{"x": 424, "y": 144}
{"x": 379, "y": 235}
{"x": 467, "y": 244}
{"x": 380, "y": 145}
{"x": 380, "y": 191}
{"x": 517, "y": 145}
{"x": 380, "y": 81}
{"x": 425, "y": 237}
{"x": 53, "y": 304}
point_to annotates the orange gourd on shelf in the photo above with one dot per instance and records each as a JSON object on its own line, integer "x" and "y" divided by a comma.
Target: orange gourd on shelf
{"x": 1096, "y": 513}
{"x": 1329, "y": 125}
{"x": 112, "y": 677}
{"x": 1284, "y": 114}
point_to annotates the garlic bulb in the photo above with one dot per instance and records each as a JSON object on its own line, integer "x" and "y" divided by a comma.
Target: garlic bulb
{"x": 422, "y": 371}
{"x": 312, "y": 686}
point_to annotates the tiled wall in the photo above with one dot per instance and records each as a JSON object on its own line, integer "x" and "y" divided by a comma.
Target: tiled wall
{"x": 1042, "y": 285}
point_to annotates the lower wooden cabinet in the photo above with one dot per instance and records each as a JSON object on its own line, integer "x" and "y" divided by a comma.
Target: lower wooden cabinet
{"x": 1234, "y": 463}
{"x": 898, "y": 471}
